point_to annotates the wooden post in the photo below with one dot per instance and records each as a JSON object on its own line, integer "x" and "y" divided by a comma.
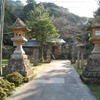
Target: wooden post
{"x": 78, "y": 57}
{"x": 73, "y": 54}
{"x": 48, "y": 56}
{"x": 82, "y": 58}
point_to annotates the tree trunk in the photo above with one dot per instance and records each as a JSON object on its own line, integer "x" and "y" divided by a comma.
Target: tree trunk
{"x": 42, "y": 54}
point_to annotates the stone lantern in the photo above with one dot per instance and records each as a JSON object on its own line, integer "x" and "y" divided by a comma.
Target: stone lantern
{"x": 19, "y": 60}
{"x": 91, "y": 73}
{"x": 19, "y": 29}
{"x": 48, "y": 56}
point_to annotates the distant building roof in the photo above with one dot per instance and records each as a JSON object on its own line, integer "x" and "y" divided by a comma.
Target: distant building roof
{"x": 30, "y": 43}
{"x": 57, "y": 41}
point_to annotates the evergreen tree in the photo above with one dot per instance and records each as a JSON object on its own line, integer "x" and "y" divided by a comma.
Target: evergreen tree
{"x": 41, "y": 25}
{"x": 9, "y": 18}
{"x": 97, "y": 12}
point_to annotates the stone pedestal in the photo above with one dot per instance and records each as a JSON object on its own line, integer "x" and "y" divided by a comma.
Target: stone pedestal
{"x": 91, "y": 73}
{"x": 19, "y": 63}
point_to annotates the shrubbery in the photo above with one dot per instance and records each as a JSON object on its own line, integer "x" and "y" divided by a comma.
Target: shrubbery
{"x": 15, "y": 78}
{"x": 7, "y": 85}
{"x": 3, "y": 94}
{"x": 6, "y": 88}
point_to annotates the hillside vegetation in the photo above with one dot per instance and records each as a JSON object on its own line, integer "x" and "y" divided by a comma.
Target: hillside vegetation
{"x": 67, "y": 23}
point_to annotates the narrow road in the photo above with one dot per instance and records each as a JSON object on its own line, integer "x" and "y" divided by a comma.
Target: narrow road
{"x": 59, "y": 81}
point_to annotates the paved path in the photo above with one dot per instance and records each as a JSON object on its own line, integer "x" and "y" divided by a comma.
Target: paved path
{"x": 59, "y": 81}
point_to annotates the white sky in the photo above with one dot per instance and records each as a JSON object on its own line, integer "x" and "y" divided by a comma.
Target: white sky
{"x": 79, "y": 7}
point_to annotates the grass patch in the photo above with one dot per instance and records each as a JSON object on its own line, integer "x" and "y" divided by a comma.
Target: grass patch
{"x": 93, "y": 87}
{"x": 4, "y": 62}
{"x": 95, "y": 90}
{"x": 79, "y": 70}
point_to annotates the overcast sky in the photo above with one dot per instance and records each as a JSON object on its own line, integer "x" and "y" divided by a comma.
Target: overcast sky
{"x": 79, "y": 7}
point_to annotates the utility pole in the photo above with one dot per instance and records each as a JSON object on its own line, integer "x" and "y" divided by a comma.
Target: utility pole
{"x": 1, "y": 32}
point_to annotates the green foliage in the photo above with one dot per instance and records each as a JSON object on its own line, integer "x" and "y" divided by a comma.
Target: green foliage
{"x": 43, "y": 30}
{"x": 41, "y": 25}
{"x": 38, "y": 13}
{"x": 9, "y": 18}
{"x": 15, "y": 4}
{"x": 95, "y": 89}
{"x": 7, "y": 51}
{"x": 7, "y": 87}
{"x": 9, "y": 14}
{"x": 3, "y": 95}
{"x": 7, "y": 39}
{"x": 15, "y": 78}
{"x": 4, "y": 61}
{"x": 26, "y": 9}
{"x": 79, "y": 70}
{"x": 50, "y": 5}
{"x": 53, "y": 9}
{"x": 97, "y": 12}
{"x": 54, "y": 12}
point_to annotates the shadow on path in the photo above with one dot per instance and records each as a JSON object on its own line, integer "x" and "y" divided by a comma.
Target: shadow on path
{"x": 59, "y": 81}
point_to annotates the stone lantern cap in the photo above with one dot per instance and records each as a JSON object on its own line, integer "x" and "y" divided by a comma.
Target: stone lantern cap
{"x": 95, "y": 23}
{"x": 94, "y": 29}
{"x": 19, "y": 25}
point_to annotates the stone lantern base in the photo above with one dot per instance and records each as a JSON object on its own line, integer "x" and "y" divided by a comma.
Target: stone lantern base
{"x": 91, "y": 73}
{"x": 19, "y": 63}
